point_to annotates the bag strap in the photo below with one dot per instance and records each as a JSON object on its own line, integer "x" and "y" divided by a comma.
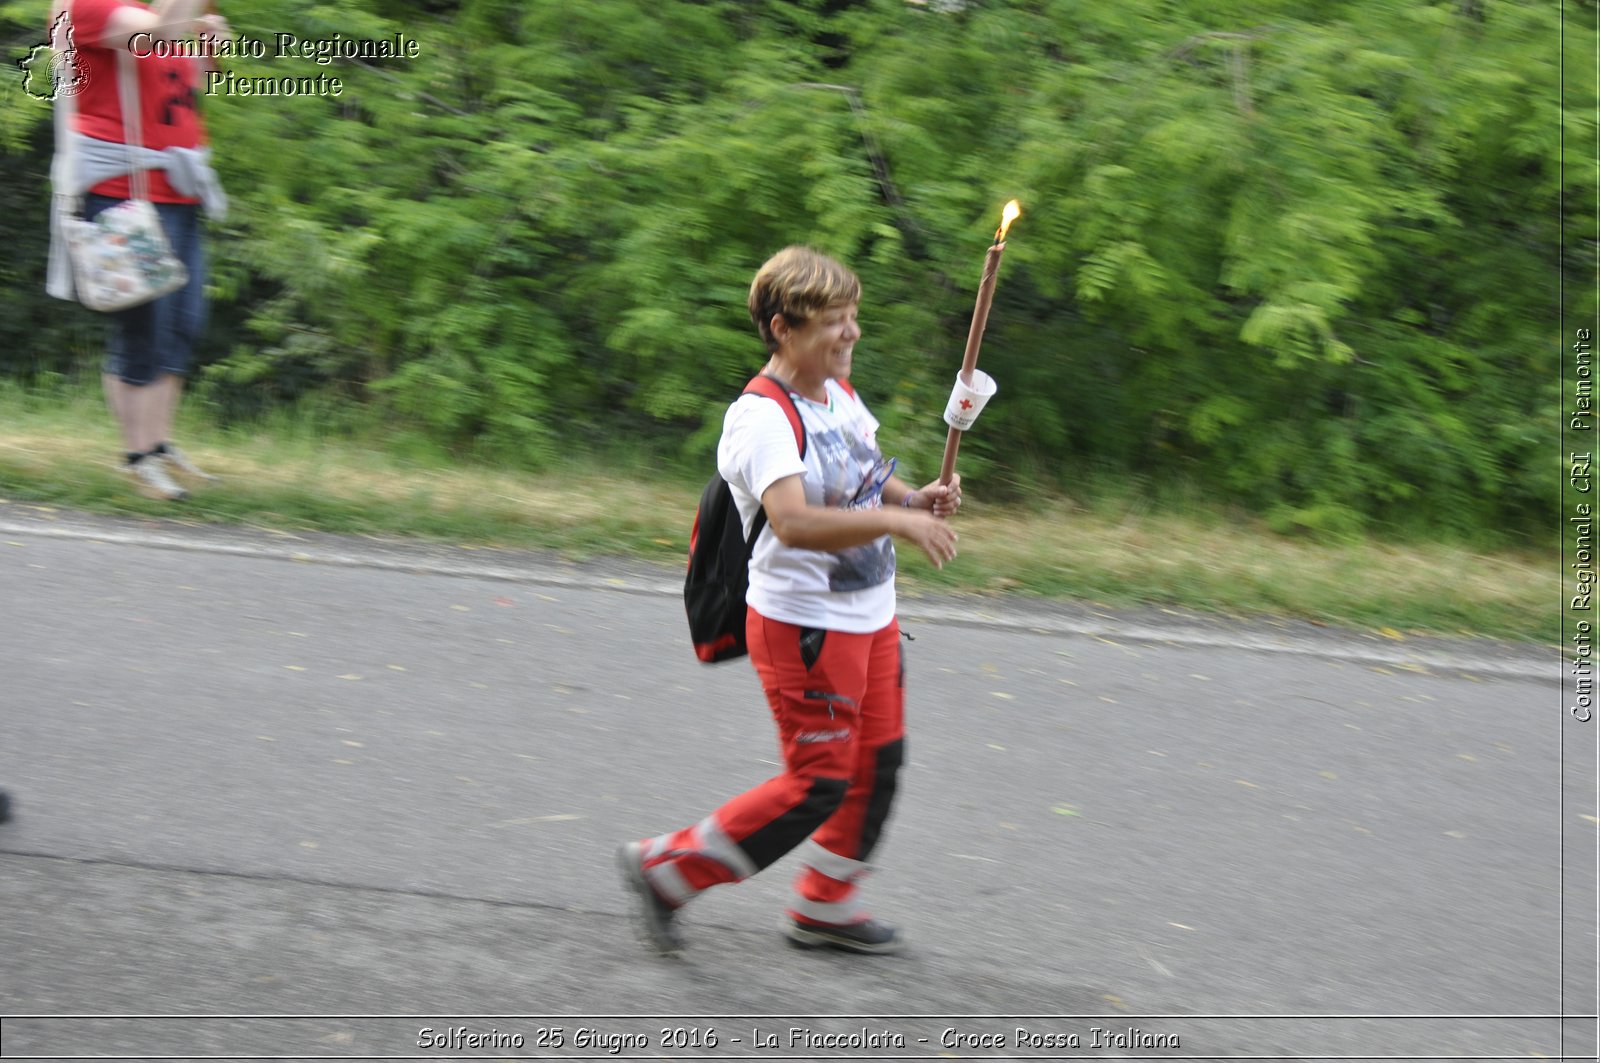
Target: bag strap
{"x": 66, "y": 108}
{"x": 777, "y": 391}
{"x": 132, "y": 123}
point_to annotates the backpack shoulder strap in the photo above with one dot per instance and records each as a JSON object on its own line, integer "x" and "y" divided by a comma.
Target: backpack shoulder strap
{"x": 844, "y": 386}
{"x": 778, "y": 391}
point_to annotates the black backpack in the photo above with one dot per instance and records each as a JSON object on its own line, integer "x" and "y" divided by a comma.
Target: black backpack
{"x": 719, "y": 553}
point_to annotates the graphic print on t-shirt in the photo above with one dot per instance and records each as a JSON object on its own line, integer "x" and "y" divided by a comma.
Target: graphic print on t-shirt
{"x": 174, "y": 94}
{"x": 850, "y": 468}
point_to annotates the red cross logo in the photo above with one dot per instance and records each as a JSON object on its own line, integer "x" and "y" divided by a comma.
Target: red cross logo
{"x": 966, "y": 404}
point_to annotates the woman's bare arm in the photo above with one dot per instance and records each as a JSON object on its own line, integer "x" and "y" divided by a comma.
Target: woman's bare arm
{"x": 806, "y": 527}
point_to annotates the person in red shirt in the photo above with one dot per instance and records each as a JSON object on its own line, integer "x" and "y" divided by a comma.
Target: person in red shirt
{"x": 149, "y": 348}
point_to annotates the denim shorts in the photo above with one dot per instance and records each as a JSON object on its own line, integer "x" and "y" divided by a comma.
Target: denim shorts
{"x": 159, "y": 337}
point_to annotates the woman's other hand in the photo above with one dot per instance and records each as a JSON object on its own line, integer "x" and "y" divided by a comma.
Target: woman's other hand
{"x": 929, "y": 532}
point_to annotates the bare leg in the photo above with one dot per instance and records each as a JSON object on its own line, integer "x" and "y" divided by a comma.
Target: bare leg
{"x": 144, "y": 406}
{"x": 169, "y": 390}
{"x": 116, "y": 390}
{"x": 143, "y": 411}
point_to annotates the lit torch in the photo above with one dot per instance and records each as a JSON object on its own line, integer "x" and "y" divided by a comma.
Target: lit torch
{"x": 973, "y": 388}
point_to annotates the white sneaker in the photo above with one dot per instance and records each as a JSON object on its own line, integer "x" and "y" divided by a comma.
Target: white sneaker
{"x": 151, "y": 475}
{"x": 180, "y": 461}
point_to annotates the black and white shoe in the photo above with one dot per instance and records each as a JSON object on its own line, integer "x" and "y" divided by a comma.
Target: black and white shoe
{"x": 152, "y": 479}
{"x": 179, "y": 461}
{"x": 655, "y": 918}
{"x": 868, "y": 936}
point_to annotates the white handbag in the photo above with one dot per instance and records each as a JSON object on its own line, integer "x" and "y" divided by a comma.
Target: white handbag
{"x": 122, "y": 258}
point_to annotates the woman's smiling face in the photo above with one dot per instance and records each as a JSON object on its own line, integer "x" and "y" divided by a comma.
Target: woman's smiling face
{"x": 825, "y": 343}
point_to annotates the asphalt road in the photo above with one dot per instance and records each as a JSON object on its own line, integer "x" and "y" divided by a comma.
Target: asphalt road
{"x": 309, "y": 779}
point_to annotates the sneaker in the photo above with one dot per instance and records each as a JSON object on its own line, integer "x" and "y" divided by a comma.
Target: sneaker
{"x": 869, "y": 935}
{"x": 151, "y": 475}
{"x": 655, "y": 918}
{"x": 180, "y": 461}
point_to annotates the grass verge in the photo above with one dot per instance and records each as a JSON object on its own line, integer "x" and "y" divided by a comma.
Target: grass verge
{"x": 63, "y": 450}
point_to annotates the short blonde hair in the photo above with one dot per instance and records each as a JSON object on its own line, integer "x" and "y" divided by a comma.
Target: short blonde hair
{"x": 797, "y": 282}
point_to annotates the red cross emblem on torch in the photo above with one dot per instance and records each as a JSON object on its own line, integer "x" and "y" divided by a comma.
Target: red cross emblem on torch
{"x": 966, "y": 404}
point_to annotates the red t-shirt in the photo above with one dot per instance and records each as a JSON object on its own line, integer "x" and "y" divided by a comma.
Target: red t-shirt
{"x": 168, "y": 96}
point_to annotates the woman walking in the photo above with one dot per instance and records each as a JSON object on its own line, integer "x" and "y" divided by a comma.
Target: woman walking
{"x": 150, "y": 347}
{"x": 821, "y": 625}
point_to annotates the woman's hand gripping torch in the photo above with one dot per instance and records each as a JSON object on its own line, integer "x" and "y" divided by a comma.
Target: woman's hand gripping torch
{"x": 974, "y": 388}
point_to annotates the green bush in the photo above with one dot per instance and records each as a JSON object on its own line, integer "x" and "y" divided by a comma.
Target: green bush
{"x": 1296, "y": 255}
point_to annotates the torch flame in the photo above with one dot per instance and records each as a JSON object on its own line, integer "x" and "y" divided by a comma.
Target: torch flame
{"x": 1007, "y": 216}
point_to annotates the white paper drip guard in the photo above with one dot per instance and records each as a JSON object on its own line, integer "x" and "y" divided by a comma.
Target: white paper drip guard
{"x": 967, "y": 402}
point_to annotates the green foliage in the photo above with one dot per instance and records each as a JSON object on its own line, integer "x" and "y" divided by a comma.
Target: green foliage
{"x": 1299, "y": 255}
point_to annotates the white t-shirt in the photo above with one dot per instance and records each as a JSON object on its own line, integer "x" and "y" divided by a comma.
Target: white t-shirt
{"x": 845, "y": 590}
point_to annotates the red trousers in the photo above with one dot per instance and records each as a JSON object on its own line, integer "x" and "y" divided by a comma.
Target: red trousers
{"x": 839, "y": 702}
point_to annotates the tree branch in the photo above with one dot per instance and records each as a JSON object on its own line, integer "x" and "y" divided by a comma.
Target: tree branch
{"x": 880, "y": 165}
